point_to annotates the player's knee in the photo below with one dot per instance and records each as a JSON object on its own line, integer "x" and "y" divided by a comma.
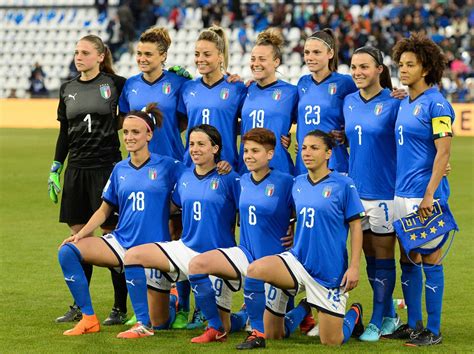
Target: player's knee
{"x": 254, "y": 271}
{"x": 132, "y": 256}
{"x": 197, "y": 266}
{"x": 68, "y": 252}
{"x": 332, "y": 338}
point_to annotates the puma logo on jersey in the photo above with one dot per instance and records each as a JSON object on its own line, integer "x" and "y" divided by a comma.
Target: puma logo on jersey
{"x": 72, "y": 96}
{"x": 440, "y": 104}
{"x": 351, "y": 107}
{"x": 443, "y": 122}
{"x": 135, "y": 91}
{"x": 304, "y": 89}
{"x": 192, "y": 93}
{"x": 185, "y": 184}
{"x": 71, "y": 279}
{"x": 298, "y": 190}
{"x": 130, "y": 282}
{"x": 122, "y": 178}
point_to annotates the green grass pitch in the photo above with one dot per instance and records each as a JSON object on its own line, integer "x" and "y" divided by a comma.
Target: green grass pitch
{"x": 33, "y": 293}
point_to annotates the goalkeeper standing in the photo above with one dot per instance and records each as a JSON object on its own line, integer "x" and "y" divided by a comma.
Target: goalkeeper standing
{"x": 88, "y": 118}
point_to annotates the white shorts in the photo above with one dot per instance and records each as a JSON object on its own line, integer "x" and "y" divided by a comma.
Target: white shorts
{"x": 405, "y": 206}
{"x": 332, "y": 301}
{"x": 179, "y": 256}
{"x": 276, "y": 299}
{"x": 378, "y": 216}
{"x": 154, "y": 278}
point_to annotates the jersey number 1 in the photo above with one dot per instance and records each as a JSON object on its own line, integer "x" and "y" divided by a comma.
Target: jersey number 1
{"x": 89, "y": 123}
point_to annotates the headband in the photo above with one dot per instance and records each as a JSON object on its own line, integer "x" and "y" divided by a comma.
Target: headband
{"x": 322, "y": 40}
{"x": 143, "y": 120}
{"x": 373, "y": 52}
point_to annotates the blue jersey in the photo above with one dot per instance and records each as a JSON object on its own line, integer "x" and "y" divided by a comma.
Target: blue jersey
{"x": 418, "y": 124}
{"x": 142, "y": 196}
{"x": 369, "y": 129}
{"x": 218, "y": 105}
{"x": 209, "y": 206}
{"x": 165, "y": 91}
{"x": 273, "y": 107}
{"x": 265, "y": 209}
{"x": 324, "y": 211}
{"x": 320, "y": 107}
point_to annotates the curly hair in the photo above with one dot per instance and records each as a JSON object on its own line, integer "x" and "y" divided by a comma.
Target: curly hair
{"x": 271, "y": 37}
{"x": 431, "y": 57}
{"x": 158, "y": 35}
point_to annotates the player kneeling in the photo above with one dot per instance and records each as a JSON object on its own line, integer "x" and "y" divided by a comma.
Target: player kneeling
{"x": 327, "y": 205}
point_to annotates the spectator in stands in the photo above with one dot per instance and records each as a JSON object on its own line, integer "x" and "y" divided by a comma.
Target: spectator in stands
{"x": 38, "y": 87}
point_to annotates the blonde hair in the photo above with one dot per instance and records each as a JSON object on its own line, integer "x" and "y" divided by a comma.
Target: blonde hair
{"x": 217, "y": 36}
{"x": 272, "y": 37}
{"x": 158, "y": 35}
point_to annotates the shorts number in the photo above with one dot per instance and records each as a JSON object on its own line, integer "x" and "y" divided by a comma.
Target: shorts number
{"x": 312, "y": 110}
{"x": 197, "y": 211}
{"x": 272, "y": 293}
{"x": 155, "y": 274}
{"x": 205, "y": 116}
{"x": 252, "y": 215}
{"x": 258, "y": 118}
{"x": 400, "y": 133}
{"x": 89, "y": 123}
{"x": 384, "y": 206}
{"x": 359, "y": 132}
{"x": 138, "y": 201}
{"x": 218, "y": 284}
{"x": 308, "y": 217}
{"x": 334, "y": 295}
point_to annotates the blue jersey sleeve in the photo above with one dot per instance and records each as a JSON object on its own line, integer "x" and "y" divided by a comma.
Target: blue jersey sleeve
{"x": 175, "y": 197}
{"x": 124, "y": 105}
{"x": 234, "y": 188}
{"x": 442, "y": 117}
{"x": 109, "y": 194}
{"x": 353, "y": 208}
{"x": 181, "y": 106}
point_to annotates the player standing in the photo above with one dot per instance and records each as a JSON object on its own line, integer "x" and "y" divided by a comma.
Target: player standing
{"x": 270, "y": 103}
{"x": 423, "y": 131}
{"x": 211, "y": 99}
{"x": 88, "y": 119}
{"x": 140, "y": 187}
{"x": 327, "y": 206}
{"x": 370, "y": 115}
{"x": 321, "y": 96}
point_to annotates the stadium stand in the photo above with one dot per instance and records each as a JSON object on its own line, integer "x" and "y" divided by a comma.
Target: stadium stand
{"x": 45, "y": 31}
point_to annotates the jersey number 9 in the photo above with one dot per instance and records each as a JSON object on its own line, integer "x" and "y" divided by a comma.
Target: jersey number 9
{"x": 197, "y": 211}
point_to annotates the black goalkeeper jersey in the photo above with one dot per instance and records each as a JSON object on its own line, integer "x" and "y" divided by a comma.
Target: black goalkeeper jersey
{"x": 89, "y": 108}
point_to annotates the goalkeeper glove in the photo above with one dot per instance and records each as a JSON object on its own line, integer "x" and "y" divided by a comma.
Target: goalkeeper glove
{"x": 180, "y": 71}
{"x": 54, "y": 187}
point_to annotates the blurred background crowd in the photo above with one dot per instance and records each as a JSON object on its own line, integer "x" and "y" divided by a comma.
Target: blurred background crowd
{"x": 380, "y": 23}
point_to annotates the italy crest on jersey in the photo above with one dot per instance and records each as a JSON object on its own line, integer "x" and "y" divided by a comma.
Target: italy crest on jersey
{"x": 152, "y": 174}
{"x": 332, "y": 89}
{"x": 269, "y": 190}
{"x": 224, "y": 93}
{"x": 276, "y": 95}
{"x": 417, "y": 110}
{"x": 214, "y": 184}
{"x": 105, "y": 91}
{"x": 378, "y": 109}
{"x": 166, "y": 88}
{"x": 327, "y": 191}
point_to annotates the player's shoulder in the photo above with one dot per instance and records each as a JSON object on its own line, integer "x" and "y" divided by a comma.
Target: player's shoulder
{"x": 281, "y": 176}
{"x": 134, "y": 78}
{"x": 304, "y": 80}
{"x": 238, "y": 85}
{"x": 287, "y": 87}
{"x": 232, "y": 176}
{"x": 165, "y": 160}
{"x": 172, "y": 76}
{"x": 352, "y": 97}
{"x": 343, "y": 78}
{"x": 303, "y": 178}
{"x": 341, "y": 179}
{"x": 69, "y": 82}
{"x": 120, "y": 80}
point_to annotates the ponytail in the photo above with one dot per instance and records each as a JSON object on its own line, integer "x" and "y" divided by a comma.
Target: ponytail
{"x": 385, "y": 78}
{"x": 106, "y": 66}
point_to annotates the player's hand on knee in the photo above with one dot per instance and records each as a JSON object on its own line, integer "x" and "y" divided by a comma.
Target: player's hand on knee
{"x": 223, "y": 168}
{"x": 54, "y": 185}
{"x": 71, "y": 239}
{"x": 350, "y": 279}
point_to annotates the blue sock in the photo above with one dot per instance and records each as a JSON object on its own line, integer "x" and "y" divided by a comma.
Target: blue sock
{"x": 291, "y": 304}
{"x": 384, "y": 283}
{"x": 370, "y": 268}
{"x": 137, "y": 289}
{"x": 205, "y": 297}
{"x": 295, "y": 317}
{"x": 412, "y": 286}
{"x": 434, "y": 289}
{"x": 70, "y": 260}
{"x": 238, "y": 320}
{"x": 348, "y": 325}
{"x": 254, "y": 297}
{"x": 184, "y": 291}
